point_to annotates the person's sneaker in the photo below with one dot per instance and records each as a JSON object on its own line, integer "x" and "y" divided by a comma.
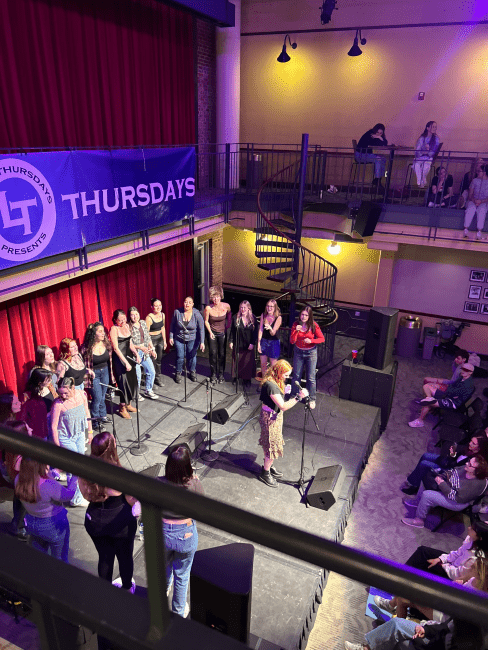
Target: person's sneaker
{"x": 213, "y": 379}
{"x": 312, "y": 404}
{"x": 60, "y": 476}
{"x": 466, "y": 233}
{"x": 410, "y": 502}
{"x": 275, "y": 472}
{"x": 410, "y": 490}
{"x": 187, "y": 610}
{"x": 416, "y": 424}
{"x": 193, "y": 375}
{"x": 430, "y": 204}
{"x": 221, "y": 379}
{"x": 427, "y": 400}
{"x": 479, "y": 235}
{"x": 353, "y": 646}
{"x": 118, "y": 583}
{"x": 140, "y": 398}
{"x": 151, "y": 395}
{"x": 158, "y": 381}
{"x": 415, "y": 523}
{"x": 80, "y": 504}
{"x": 178, "y": 378}
{"x": 384, "y": 603}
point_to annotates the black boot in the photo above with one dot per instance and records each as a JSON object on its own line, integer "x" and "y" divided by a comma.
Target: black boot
{"x": 158, "y": 380}
{"x": 266, "y": 477}
{"x": 275, "y": 472}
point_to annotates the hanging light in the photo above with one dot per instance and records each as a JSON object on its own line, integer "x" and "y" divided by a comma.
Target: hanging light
{"x": 284, "y": 57}
{"x": 355, "y": 49}
{"x": 333, "y": 248}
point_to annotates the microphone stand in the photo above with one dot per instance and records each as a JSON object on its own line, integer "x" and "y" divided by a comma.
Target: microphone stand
{"x": 301, "y": 481}
{"x": 139, "y": 448}
{"x": 210, "y": 455}
{"x": 185, "y": 343}
{"x": 112, "y": 389}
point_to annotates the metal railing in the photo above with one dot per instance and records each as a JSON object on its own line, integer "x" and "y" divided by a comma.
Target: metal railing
{"x": 155, "y": 628}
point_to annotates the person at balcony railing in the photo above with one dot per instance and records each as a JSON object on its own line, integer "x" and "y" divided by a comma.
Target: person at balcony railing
{"x": 218, "y": 317}
{"x": 187, "y": 334}
{"x": 46, "y": 520}
{"x": 476, "y": 171}
{"x": 425, "y": 149}
{"x": 155, "y": 323}
{"x": 271, "y": 419}
{"x": 71, "y": 364}
{"x": 375, "y": 137}
{"x": 111, "y": 518}
{"x": 305, "y": 336}
{"x": 268, "y": 341}
{"x": 97, "y": 353}
{"x": 454, "y": 490}
{"x": 69, "y": 420}
{"x": 477, "y": 203}
{"x": 124, "y": 357}
{"x": 441, "y": 190}
{"x": 180, "y": 534}
{"x": 243, "y": 337}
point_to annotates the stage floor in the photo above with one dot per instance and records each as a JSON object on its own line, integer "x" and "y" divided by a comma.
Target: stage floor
{"x": 286, "y": 592}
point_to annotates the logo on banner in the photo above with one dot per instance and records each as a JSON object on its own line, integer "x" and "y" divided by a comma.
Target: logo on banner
{"x": 27, "y": 211}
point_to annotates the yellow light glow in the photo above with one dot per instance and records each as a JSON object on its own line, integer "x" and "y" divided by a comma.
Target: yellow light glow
{"x": 333, "y": 248}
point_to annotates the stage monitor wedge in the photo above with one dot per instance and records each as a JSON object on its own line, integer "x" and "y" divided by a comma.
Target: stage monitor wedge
{"x": 367, "y": 218}
{"x": 326, "y": 486}
{"x": 226, "y": 408}
{"x": 193, "y": 438}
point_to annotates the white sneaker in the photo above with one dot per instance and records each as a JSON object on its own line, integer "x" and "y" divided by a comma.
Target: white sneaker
{"x": 187, "y": 610}
{"x": 80, "y": 504}
{"x": 312, "y": 404}
{"x": 353, "y": 646}
{"x": 118, "y": 583}
{"x": 430, "y": 205}
{"x": 151, "y": 394}
{"x": 141, "y": 398}
{"x": 466, "y": 233}
{"x": 416, "y": 424}
{"x": 385, "y": 604}
{"x": 479, "y": 235}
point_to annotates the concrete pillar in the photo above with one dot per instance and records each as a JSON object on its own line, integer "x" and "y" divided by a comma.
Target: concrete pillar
{"x": 228, "y": 81}
{"x": 384, "y": 278}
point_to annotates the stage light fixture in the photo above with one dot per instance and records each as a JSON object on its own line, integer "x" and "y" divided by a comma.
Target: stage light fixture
{"x": 284, "y": 57}
{"x": 326, "y": 10}
{"x": 333, "y": 248}
{"x": 355, "y": 49}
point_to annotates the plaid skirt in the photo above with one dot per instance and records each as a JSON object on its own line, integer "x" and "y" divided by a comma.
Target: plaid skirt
{"x": 271, "y": 439}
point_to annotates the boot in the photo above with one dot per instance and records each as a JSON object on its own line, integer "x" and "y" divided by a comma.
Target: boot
{"x": 158, "y": 380}
{"x": 275, "y": 472}
{"x": 266, "y": 477}
{"x": 123, "y": 413}
{"x": 131, "y": 408}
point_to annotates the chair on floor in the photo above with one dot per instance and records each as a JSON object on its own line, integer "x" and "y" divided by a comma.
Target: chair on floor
{"x": 354, "y": 174}
{"x": 459, "y": 424}
{"x": 447, "y": 515}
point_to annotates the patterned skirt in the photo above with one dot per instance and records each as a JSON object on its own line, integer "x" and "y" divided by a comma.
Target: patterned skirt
{"x": 271, "y": 439}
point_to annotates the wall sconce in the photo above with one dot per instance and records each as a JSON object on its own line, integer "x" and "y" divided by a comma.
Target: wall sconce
{"x": 333, "y": 248}
{"x": 284, "y": 57}
{"x": 355, "y": 49}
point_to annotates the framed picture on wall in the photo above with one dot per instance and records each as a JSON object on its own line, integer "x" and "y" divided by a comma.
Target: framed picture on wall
{"x": 472, "y": 307}
{"x": 484, "y": 308}
{"x": 485, "y": 294}
{"x": 474, "y": 292}
{"x": 477, "y": 276}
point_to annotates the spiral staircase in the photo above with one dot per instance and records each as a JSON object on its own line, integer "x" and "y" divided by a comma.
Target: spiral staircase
{"x": 305, "y": 277}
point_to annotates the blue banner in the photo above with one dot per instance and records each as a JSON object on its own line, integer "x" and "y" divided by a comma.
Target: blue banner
{"x": 55, "y": 202}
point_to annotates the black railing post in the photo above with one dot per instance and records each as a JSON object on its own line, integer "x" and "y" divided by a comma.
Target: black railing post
{"x": 227, "y": 181}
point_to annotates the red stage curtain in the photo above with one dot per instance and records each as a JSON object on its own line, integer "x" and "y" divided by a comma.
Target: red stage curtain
{"x": 84, "y": 306}
{"x": 95, "y": 73}
{"x": 166, "y": 274}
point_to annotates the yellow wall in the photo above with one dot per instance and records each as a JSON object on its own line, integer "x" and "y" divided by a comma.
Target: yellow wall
{"x": 335, "y": 98}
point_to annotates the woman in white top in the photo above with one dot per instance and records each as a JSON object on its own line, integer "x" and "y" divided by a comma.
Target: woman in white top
{"x": 425, "y": 149}
{"x": 477, "y": 203}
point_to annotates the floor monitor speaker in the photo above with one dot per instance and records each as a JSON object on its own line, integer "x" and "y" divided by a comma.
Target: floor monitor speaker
{"x": 326, "y": 486}
{"x": 380, "y": 336}
{"x": 367, "y": 218}
{"x": 193, "y": 438}
{"x": 153, "y": 471}
{"x": 226, "y": 408}
{"x": 220, "y": 589}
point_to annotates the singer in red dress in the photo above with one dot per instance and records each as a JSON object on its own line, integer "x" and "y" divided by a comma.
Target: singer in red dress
{"x": 271, "y": 418}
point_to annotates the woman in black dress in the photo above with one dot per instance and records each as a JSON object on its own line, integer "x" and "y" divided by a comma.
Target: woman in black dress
{"x": 124, "y": 362}
{"x": 71, "y": 363}
{"x": 243, "y": 337}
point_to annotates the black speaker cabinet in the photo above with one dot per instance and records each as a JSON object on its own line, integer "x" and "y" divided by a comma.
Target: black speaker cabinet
{"x": 226, "y": 408}
{"x": 380, "y": 336}
{"x": 326, "y": 486}
{"x": 367, "y": 385}
{"x": 193, "y": 438}
{"x": 220, "y": 589}
{"x": 367, "y": 218}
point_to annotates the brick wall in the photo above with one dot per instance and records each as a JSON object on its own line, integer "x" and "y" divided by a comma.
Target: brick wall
{"x": 216, "y": 255}
{"x": 205, "y": 56}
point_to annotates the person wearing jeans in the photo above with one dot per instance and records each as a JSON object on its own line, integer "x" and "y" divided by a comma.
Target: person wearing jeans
{"x": 187, "y": 327}
{"x": 68, "y": 424}
{"x": 97, "y": 354}
{"x": 375, "y": 137}
{"x": 305, "y": 336}
{"x": 145, "y": 350}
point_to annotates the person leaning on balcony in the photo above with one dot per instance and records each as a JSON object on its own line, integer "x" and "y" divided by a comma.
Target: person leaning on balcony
{"x": 476, "y": 171}
{"x": 375, "y": 137}
{"x": 441, "y": 192}
{"x": 477, "y": 203}
{"x": 425, "y": 149}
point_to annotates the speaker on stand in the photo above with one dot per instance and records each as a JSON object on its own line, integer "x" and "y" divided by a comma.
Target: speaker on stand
{"x": 380, "y": 337}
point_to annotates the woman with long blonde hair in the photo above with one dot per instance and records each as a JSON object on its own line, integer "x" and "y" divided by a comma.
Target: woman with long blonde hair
{"x": 243, "y": 337}
{"x": 271, "y": 419}
{"x": 268, "y": 341}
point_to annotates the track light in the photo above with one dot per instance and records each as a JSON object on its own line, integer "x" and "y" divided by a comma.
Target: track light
{"x": 284, "y": 57}
{"x": 355, "y": 49}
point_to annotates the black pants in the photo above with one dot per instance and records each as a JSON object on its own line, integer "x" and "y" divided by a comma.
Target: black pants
{"x": 108, "y": 549}
{"x": 419, "y": 558}
{"x": 216, "y": 354}
{"x": 158, "y": 343}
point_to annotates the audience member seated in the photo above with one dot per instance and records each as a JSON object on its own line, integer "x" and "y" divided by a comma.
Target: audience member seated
{"x": 476, "y": 171}
{"x": 458, "y": 456}
{"x": 425, "y": 149}
{"x": 441, "y": 192}
{"x": 375, "y": 137}
{"x": 455, "y": 490}
{"x": 453, "y": 397}
{"x": 431, "y": 384}
{"x": 477, "y": 203}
